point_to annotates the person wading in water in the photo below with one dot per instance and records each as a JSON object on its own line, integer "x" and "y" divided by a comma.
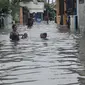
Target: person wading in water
{"x": 14, "y": 35}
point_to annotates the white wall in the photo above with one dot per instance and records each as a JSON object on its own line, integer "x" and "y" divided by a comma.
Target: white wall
{"x": 34, "y": 7}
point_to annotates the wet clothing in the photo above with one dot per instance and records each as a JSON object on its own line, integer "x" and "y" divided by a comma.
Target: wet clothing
{"x": 14, "y": 36}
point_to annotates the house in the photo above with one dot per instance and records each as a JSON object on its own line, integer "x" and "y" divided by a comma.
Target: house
{"x": 67, "y": 9}
{"x": 36, "y": 8}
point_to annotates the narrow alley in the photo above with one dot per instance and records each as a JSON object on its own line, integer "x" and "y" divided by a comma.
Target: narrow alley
{"x": 33, "y": 61}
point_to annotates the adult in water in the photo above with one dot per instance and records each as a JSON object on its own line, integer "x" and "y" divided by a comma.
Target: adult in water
{"x": 14, "y": 35}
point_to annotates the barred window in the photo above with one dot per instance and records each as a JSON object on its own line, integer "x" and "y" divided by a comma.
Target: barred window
{"x": 81, "y": 1}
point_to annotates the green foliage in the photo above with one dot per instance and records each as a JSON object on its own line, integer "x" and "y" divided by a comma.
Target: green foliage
{"x": 15, "y": 7}
{"x": 4, "y": 6}
{"x": 50, "y": 10}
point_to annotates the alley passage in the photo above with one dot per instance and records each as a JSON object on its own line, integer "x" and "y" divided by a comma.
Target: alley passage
{"x": 34, "y": 61}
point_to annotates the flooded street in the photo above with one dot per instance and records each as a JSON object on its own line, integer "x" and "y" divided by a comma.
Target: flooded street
{"x": 34, "y": 61}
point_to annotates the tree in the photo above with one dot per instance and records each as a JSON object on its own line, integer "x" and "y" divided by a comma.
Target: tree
{"x": 15, "y": 6}
{"x": 4, "y": 6}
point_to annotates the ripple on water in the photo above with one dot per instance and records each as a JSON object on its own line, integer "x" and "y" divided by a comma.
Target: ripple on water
{"x": 35, "y": 61}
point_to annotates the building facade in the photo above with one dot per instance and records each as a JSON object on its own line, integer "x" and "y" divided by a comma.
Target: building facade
{"x": 67, "y": 11}
{"x": 36, "y": 10}
{"x": 61, "y": 12}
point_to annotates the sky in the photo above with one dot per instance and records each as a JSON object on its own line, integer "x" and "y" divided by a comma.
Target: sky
{"x": 51, "y": 1}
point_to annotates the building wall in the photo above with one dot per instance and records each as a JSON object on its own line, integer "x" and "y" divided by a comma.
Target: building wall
{"x": 58, "y": 18}
{"x": 33, "y": 7}
{"x": 81, "y": 16}
{"x": 71, "y": 10}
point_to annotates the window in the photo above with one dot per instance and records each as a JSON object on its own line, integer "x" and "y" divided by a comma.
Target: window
{"x": 81, "y": 1}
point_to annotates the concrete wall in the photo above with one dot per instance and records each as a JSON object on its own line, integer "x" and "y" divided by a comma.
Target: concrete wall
{"x": 81, "y": 16}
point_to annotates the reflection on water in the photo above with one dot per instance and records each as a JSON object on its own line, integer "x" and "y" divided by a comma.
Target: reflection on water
{"x": 45, "y": 44}
{"x": 34, "y": 61}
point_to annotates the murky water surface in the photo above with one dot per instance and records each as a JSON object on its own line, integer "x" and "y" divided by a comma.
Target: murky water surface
{"x": 34, "y": 61}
